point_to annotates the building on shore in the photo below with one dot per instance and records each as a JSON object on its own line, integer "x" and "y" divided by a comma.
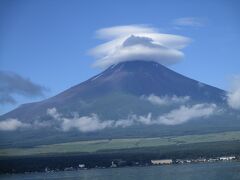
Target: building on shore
{"x": 81, "y": 166}
{"x": 227, "y": 158}
{"x": 161, "y": 161}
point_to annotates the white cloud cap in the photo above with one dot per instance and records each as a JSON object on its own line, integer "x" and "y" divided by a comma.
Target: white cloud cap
{"x": 137, "y": 42}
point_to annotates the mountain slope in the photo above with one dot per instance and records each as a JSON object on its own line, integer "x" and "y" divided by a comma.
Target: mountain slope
{"x": 135, "y": 79}
{"x": 115, "y": 94}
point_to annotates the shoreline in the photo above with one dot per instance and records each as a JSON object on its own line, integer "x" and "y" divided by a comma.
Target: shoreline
{"x": 135, "y": 164}
{"x": 109, "y": 168}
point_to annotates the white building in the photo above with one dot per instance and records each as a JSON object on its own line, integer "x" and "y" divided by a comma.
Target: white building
{"x": 81, "y": 165}
{"x": 161, "y": 161}
{"x": 227, "y": 158}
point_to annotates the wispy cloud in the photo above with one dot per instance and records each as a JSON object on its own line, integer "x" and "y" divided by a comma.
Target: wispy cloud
{"x": 180, "y": 115}
{"x": 174, "y": 117}
{"x": 83, "y": 124}
{"x": 189, "y": 21}
{"x": 12, "y": 84}
{"x": 186, "y": 113}
{"x": 166, "y": 100}
{"x": 12, "y": 124}
{"x": 125, "y": 122}
{"x": 138, "y": 42}
{"x": 233, "y": 97}
{"x": 92, "y": 123}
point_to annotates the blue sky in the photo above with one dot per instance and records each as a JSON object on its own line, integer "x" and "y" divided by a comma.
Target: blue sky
{"x": 47, "y": 40}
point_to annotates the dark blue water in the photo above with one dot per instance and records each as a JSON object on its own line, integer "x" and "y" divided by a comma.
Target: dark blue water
{"x": 205, "y": 171}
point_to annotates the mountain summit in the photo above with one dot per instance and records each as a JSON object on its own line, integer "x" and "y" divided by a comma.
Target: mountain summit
{"x": 140, "y": 89}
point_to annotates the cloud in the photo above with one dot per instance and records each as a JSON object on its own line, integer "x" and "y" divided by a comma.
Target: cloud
{"x": 11, "y": 125}
{"x": 189, "y": 21}
{"x": 147, "y": 120}
{"x": 180, "y": 115}
{"x": 137, "y": 42}
{"x": 88, "y": 123}
{"x": 233, "y": 97}
{"x": 6, "y": 98}
{"x": 166, "y": 100}
{"x": 12, "y": 84}
{"x": 84, "y": 124}
{"x": 53, "y": 113}
{"x": 125, "y": 122}
{"x": 122, "y": 31}
{"x": 184, "y": 114}
{"x": 93, "y": 123}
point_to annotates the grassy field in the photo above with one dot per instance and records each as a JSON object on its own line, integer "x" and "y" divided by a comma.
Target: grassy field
{"x": 117, "y": 144}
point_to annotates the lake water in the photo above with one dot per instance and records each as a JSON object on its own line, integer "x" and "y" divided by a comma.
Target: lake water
{"x": 209, "y": 171}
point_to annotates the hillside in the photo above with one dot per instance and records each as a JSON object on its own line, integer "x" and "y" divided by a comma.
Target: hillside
{"x": 130, "y": 99}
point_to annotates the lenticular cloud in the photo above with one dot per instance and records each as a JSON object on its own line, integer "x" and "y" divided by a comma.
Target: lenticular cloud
{"x": 137, "y": 42}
